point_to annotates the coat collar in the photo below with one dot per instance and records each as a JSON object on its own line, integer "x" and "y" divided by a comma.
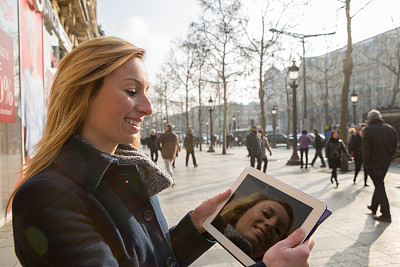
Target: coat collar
{"x": 86, "y": 165}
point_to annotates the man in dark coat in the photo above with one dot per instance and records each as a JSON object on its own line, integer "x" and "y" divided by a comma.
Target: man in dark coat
{"x": 188, "y": 143}
{"x": 150, "y": 141}
{"x": 318, "y": 149}
{"x": 379, "y": 144}
{"x": 254, "y": 147}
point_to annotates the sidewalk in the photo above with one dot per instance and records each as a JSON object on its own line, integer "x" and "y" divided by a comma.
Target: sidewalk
{"x": 349, "y": 237}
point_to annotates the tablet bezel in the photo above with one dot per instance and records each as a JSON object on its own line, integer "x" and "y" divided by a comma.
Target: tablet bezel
{"x": 318, "y": 208}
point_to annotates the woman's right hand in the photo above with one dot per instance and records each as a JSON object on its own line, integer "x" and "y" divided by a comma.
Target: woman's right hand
{"x": 289, "y": 252}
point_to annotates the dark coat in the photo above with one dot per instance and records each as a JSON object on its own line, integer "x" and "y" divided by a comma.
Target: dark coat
{"x": 150, "y": 142}
{"x": 334, "y": 149}
{"x": 355, "y": 145}
{"x": 90, "y": 209}
{"x": 253, "y": 144}
{"x": 379, "y": 144}
{"x": 188, "y": 143}
{"x": 318, "y": 142}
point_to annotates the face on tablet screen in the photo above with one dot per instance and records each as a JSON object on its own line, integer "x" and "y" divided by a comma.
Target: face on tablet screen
{"x": 255, "y": 223}
{"x": 258, "y": 216}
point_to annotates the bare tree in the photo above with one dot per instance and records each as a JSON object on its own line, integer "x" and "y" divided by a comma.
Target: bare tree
{"x": 181, "y": 62}
{"x": 219, "y": 26}
{"x": 347, "y": 71}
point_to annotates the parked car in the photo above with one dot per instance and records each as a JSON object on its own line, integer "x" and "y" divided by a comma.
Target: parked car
{"x": 280, "y": 138}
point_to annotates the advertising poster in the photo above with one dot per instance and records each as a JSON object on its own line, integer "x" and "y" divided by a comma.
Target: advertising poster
{"x": 7, "y": 107}
{"x": 33, "y": 107}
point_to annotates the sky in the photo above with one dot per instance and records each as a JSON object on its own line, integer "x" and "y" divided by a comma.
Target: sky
{"x": 153, "y": 24}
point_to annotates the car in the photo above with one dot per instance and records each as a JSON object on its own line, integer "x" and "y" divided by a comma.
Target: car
{"x": 280, "y": 138}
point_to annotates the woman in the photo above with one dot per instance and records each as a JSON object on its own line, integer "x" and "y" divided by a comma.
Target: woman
{"x": 355, "y": 150}
{"x": 304, "y": 141}
{"x": 89, "y": 197}
{"x": 334, "y": 149}
{"x": 256, "y": 222}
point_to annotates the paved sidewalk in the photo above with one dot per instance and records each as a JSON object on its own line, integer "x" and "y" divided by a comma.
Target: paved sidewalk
{"x": 349, "y": 237}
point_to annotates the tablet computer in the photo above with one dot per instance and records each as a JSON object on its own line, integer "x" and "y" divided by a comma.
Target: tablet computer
{"x": 261, "y": 211}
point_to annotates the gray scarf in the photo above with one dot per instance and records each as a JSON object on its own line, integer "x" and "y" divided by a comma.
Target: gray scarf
{"x": 154, "y": 178}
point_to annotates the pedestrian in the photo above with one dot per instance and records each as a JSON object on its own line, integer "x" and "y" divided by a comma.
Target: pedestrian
{"x": 188, "y": 143}
{"x": 379, "y": 143}
{"x": 334, "y": 149}
{"x": 254, "y": 147}
{"x": 264, "y": 146}
{"x": 150, "y": 141}
{"x": 355, "y": 146}
{"x": 89, "y": 197}
{"x": 305, "y": 142}
{"x": 318, "y": 145}
{"x": 176, "y": 155}
{"x": 168, "y": 144}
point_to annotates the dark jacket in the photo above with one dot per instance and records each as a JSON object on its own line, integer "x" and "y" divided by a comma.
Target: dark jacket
{"x": 379, "y": 144}
{"x": 253, "y": 144}
{"x": 89, "y": 208}
{"x": 355, "y": 145}
{"x": 318, "y": 142}
{"x": 334, "y": 149}
{"x": 168, "y": 144}
{"x": 188, "y": 143}
{"x": 150, "y": 142}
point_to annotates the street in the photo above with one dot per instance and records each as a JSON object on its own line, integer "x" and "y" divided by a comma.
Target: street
{"x": 349, "y": 237}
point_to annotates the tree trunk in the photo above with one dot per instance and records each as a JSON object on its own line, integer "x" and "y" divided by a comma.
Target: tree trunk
{"x": 347, "y": 70}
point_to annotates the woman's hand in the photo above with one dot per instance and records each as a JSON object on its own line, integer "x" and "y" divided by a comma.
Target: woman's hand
{"x": 289, "y": 252}
{"x": 202, "y": 212}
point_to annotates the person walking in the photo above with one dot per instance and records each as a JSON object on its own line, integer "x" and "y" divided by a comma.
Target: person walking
{"x": 189, "y": 144}
{"x": 379, "y": 145}
{"x": 150, "y": 141}
{"x": 305, "y": 142}
{"x": 334, "y": 149}
{"x": 355, "y": 145}
{"x": 168, "y": 144}
{"x": 264, "y": 146}
{"x": 318, "y": 149}
{"x": 254, "y": 147}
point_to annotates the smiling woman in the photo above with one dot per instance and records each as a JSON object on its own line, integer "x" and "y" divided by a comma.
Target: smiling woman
{"x": 89, "y": 198}
{"x": 259, "y": 220}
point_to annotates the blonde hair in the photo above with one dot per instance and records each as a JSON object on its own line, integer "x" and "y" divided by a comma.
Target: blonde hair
{"x": 79, "y": 76}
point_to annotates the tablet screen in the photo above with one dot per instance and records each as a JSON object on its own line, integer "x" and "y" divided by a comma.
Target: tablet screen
{"x": 258, "y": 215}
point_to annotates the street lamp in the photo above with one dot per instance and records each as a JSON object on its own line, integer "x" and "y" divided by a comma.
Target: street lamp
{"x": 294, "y": 75}
{"x": 302, "y": 38}
{"x": 165, "y": 122}
{"x": 207, "y": 132}
{"x": 211, "y": 108}
{"x": 234, "y": 122}
{"x": 274, "y": 125}
{"x": 354, "y": 99}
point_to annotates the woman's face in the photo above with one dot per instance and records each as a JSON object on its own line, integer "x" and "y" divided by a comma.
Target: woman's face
{"x": 335, "y": 135}
{"x": 263, "y": 225}
{"x": 115, "y": 112}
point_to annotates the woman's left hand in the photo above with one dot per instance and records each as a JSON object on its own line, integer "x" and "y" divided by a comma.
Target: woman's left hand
{"x": 202, "y": 212}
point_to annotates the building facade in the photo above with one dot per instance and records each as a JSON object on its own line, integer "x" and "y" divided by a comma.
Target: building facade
{"x": 34, "y": 36}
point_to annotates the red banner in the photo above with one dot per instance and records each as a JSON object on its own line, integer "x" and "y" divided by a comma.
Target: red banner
{"x": 7, "y": 107}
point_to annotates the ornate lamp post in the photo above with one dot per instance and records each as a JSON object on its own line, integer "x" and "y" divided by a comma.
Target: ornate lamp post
{"x": 354, "y": 100}
{"x": 207, "y": 132}
{"x": 294, "y": 74}
{"x": 165, "y": 122}
{"x": 234, "y": 122}
{"x": 211, "y": 108}
{"x": 274, "y": 125}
